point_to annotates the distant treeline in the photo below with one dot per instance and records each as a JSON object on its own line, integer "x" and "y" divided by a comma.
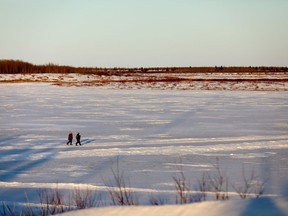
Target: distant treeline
{"x": 19, "y": 67}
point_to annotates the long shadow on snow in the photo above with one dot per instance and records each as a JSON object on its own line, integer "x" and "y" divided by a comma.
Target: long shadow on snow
{"x": 102, "y": 169}
{"x": 198, "y": 143}
{"x": 87, "y": 141}
{"x": 14, "y": 152}
{"x": 21, "y": 165}
{"x": 262, "y": 206}
{"x": 7, "y": 140}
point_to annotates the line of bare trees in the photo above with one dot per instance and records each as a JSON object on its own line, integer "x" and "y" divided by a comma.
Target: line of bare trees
{"x": 213, "y": 185}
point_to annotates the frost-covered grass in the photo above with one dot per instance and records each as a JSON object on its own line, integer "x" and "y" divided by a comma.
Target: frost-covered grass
{"x": 150, "y": 132}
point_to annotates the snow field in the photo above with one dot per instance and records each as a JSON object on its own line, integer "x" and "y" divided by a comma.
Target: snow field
{"x": 151, "y": 132}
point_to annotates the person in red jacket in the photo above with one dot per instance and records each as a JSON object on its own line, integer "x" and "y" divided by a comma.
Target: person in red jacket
{"x": 70, "y": 138}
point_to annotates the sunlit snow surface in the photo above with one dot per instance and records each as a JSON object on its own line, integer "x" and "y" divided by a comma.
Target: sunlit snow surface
{"x": 151, "y": 132}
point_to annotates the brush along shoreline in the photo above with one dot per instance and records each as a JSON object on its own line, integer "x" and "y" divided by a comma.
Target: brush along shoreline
{"x": 262, "y": 81}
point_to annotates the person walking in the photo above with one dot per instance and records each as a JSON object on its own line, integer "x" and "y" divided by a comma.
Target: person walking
{"x": 78, "y": 137}
{"x": 70, "y": 138}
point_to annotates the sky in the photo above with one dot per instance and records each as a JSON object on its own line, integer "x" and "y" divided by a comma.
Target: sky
{"x": 145, "y": 33}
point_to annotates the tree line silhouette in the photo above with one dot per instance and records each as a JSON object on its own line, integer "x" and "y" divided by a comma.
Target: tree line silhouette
{"x": 20, "y": 67}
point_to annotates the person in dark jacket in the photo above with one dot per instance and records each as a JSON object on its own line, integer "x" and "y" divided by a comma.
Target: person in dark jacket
{"x": 78, "y": 137}
{"x": 70, "y": 138}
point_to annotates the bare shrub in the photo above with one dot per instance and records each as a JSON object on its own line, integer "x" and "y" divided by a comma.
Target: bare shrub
{"x": 252, "y": 186}
{"x": 259, "y": 188}
{"x": 182, "y": 186}
{"x": 28, "y": 210}
{"x": 119, "y": 190}
{"x": 203, "y": 187}
{"x": 52, "y": 202}
{"x": 84, "y": 198}
{"x": 6, "y": 210}
{"x": 218, "y": 182}
{"x": 156, "y": 201}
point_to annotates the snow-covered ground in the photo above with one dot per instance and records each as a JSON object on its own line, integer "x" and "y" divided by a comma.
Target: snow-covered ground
{"x": 152, "y": 134}
{"x": 255, "y": 207}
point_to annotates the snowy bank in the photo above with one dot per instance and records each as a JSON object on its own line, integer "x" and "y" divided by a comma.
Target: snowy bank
{"x": 250, "y": 207}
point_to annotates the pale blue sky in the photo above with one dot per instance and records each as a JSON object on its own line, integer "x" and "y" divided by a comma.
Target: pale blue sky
{"x": 136, "y": 33}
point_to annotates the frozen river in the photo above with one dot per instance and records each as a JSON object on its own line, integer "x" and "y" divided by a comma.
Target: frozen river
{"x": 151, "y": 132}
